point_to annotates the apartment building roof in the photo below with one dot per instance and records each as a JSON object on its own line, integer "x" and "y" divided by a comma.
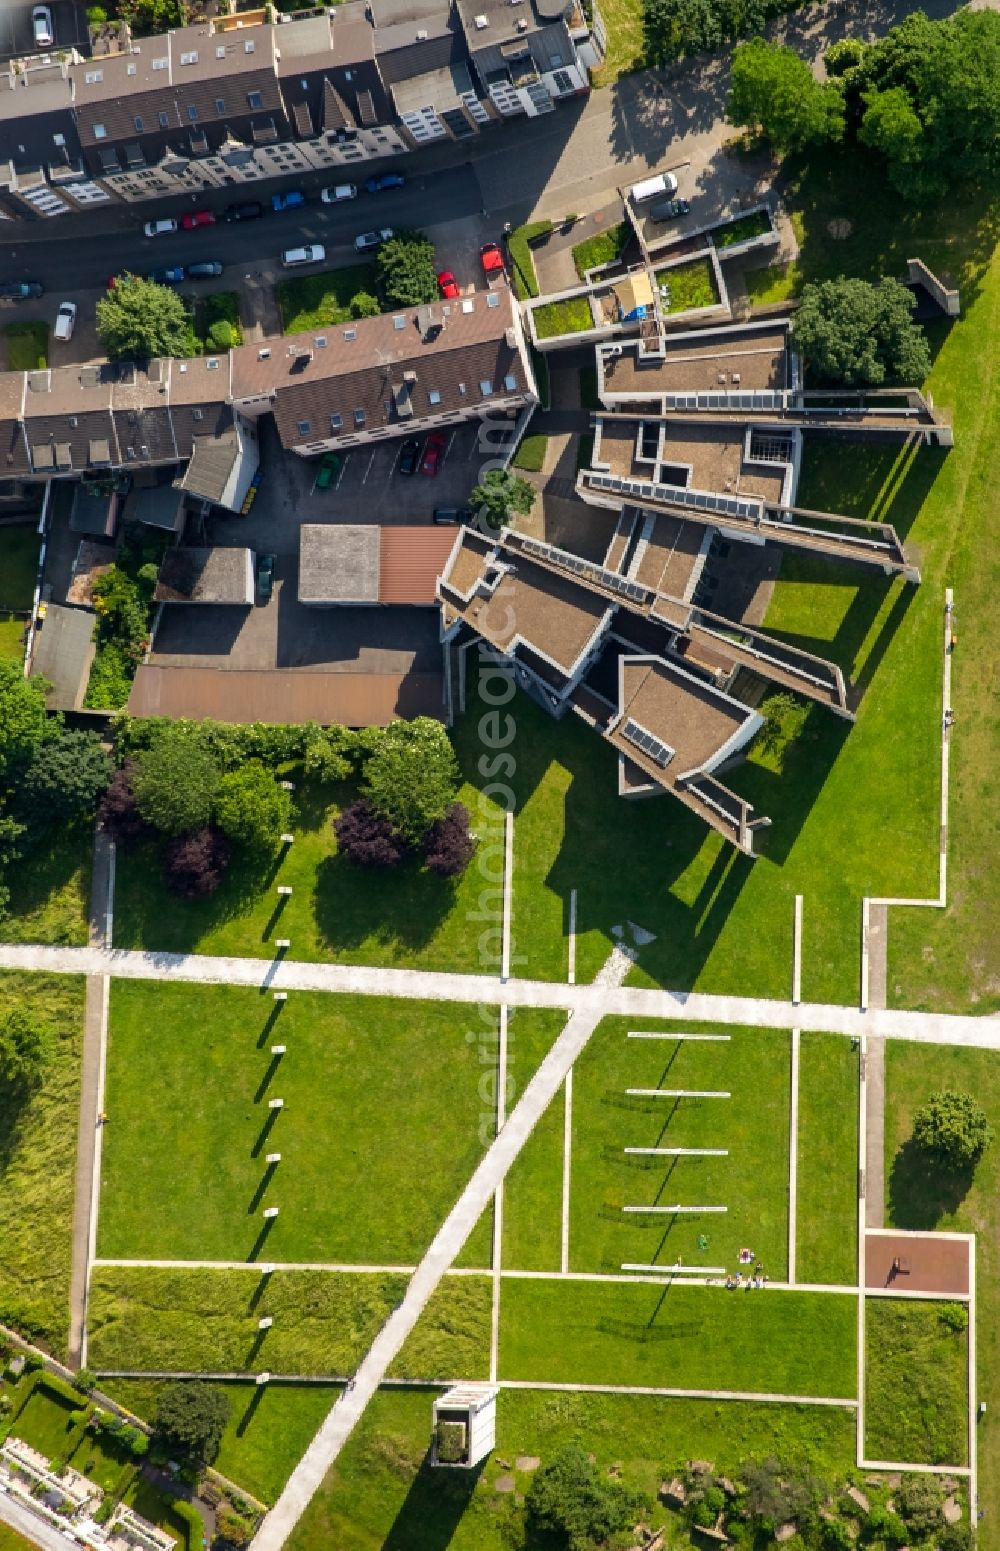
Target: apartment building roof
{"x": 696, "y": 722}
{"x": 705, "y": 456}
{"x": 695, "y": 363}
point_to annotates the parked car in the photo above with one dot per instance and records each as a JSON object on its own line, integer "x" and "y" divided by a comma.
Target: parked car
{"x": 20, "y": 290}
{"x": 196, "y": 218}
{"x": 292, "y": 200}
{"x": 159, "y": 228}
{"x": 65, "y": 321}
{"x": 409, "y": 456}
{"x": 41, "y": 26}
{"x": 329, "y": 468}
{"x": 369, "y": 240}
{"x": 460, "y": 514}
{"x": 385, "y": 180}
{"x": 311, "y": 253}
{"x": 338, "y": 193}
{"x": 251, "y": 211}
{"x": 204, "y": 271}
{"x": 265, "y": 575}
{"x": 669, "y": 210}
{"x": 491, "y": 259}
{"x": 447, "y": 284}
{"x": 172, "y": 276}
{"x": 433, "y": 452}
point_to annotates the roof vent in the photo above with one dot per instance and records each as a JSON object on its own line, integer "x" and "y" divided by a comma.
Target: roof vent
{"x": 422, "y": 35}
{"x": 410, "y": 376}
{"x": 213, "y": 364}
{"x": 482, "y": 22}
{"x": 522, "y": 21}
{"x": 265, "y": 354}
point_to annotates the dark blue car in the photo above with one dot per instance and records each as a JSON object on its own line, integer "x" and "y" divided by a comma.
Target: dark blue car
{"x": 387, "y": 180}
{"x": 172, "y": 276}
{"x": 290, "y": 201}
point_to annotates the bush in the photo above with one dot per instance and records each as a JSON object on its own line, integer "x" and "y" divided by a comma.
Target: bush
{"x": 365, "y": 305}
{"x": 412, "y": 776}
{"x": 408, "y": 270}
{"x": 176, "y": 781}
{"x": 194, "y": 865}
{"x": 522, "y": 264}
{"x": 955, "y": 1316}
{"x": 449, "y": 845}
{"x": 918, "y": 1503}
{"x": 232, "y": 1529}
{"x": 85, "y": 1381}
{"x": 952, "y": 1130}
{"x": 67, "y": 774}
{"x": 367, "y": 838}
{"x": 118, "y": 811}
{"x": 328, "y": 757}
{"x": 450, "y": 1442}
{"x": 573, "y": 1501}
{"x": 25, "y": 1045}
{"x": 221, "y": 336}
{"x": 191, "y": 1418}
{"x": 883, "y": 1526}
{"x": 251, "y": 808}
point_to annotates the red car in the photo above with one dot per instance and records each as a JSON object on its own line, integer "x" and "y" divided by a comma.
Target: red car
{"x": 197, "y": 218}
{"x": 491, "y": 259}
{"x": 447, "y": 284}
{"x": 433, "y": 452}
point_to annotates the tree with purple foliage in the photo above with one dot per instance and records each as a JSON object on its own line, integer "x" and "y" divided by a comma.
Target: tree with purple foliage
{"x": 449, "y": 845}
{"x": 194, "y": 864}
{"x": 366, "y": 838}
{"x": 118, "y": 811}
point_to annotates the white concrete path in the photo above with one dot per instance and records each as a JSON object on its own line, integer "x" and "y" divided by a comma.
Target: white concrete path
{"x": 592, "y": 1001}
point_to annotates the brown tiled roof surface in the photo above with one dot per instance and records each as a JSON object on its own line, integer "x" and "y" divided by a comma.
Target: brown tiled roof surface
{"x": 282, "y": 695}
{"x": 200, "y": 86}
{"x": 410, "y": 561}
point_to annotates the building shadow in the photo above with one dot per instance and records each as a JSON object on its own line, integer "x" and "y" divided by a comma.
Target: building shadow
{"x": 433, "y": 1508}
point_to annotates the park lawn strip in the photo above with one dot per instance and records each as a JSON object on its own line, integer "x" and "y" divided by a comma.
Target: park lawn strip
{"x": 50, "y": 895}
{"x": 827, "y": 1212}
{"x": 916, "y": 1385}
{"x": 10, "y": 1540}
{"x": 752, "y": 1182}
{"x": 12, "y": 629}
{"x": 37, "y": 1162}
{"x": 451, "y": 1339}
{"x": 378, "y": 1134}
{"x": 626, "y": 47}
{"x": 321, "y": 300}
{"x": 572, "y": 316}
{"x": 532, "y": 1207}
{"x": 603, "y": 248}
{"x": 27, "y": 346}
{"x": 679, "y": 1337}
{"x": 382, "y": 1492}
{"x": 522, "y": 263}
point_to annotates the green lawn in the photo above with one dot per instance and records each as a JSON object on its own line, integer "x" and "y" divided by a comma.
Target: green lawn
{"x": 321, "y": 300}
{"x": 573, "y": 316}
{"x": 916, "y": 1389}
{"x": 531, "y": 454}
{"x": 10, "y": 1540}
{"x": 18, "y": 565}
{"x": 752, "y": 1182}
{"x": 379, "y": 1132}
{"x": 382, "y": 1495}
{"x": 27, "y": 346}
{"x": 741, "y": 230}
{"x": 37, "y": 1160}
{"x": 626, "y": 48}
{"x": 12, "y": 629}
{"x": 604, "y": 248}
{"x": 407, "y": 917}
{"x": 532, "y": 1210}
{"x": 50, "y": 895}
{"x": 827, "y": 1212}
{"x": 677, "y": 1336}
{"x": 690, "y": 285}
{"x": 45, "y": 1423}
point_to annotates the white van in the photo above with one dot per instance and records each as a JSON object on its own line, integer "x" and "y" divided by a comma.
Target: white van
{"x": 653, "y": 188}
{"x": 65, "y": 321}
{"x": 312, "y": 253}
{"x": 341, "y": 191}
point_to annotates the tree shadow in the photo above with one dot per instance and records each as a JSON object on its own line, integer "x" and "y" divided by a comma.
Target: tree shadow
{"x": 433, "y": 1508}
{"x": 403, "y": 906}
{"x": 922, "y": 1192}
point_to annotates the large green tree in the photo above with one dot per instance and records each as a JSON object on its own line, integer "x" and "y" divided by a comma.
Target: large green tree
{"x": 855, "y": 333}
{"x": 952, "y": 1130}
{"x": 499, "y": 494}
{"x": 139, "y": 319}
{"x": 579, "y": 1506}
{"x": 191, "y": 1417}
{"x": 176, "y": 780}
{"x": 22, "y": 718}
{"x": 412, "y": 776}
{"x": 408, "y": 270}
{"x": 775, "y": 94}
{"x": 251, "y": 808}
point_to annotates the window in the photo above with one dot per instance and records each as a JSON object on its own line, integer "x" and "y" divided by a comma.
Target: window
{"x": 192, "y": 112}
{"x": 93, "y": 76}
{"x": 433, "y": 396}
{"x": 350, "y": 333}
{"x": 100, "y": 133}
{"x": 131, "y": 69}
{"x": 161, "y": 64}
{"x": 220, "y": 104}
{"x": 190, "y": 58}
{"x": 212, "y": 363}
{"x": 304, "y": 427}
{"x": 164, "y": 120}
{"x": 137, "y": 121}
{"x": 197, "y": 414}
{"x": 359, "y": 417}
{"x": 462, "y": 389}
{"x": 220, "y": 52}
{"x": 399, "y": 323}
{"x": 336, "y": 421}
{"x": 59, "y": 140}
{"x": 249, "y": 45}
{"x": 348, "y": 75}
{"x": 486, "y": 387}
{"x": 510, "y": 383}
{"x": 563, "y": 81}
{"x": 255, "y": 100}
{"x": 320, "y": 341}
{"x": 493, "y": 300}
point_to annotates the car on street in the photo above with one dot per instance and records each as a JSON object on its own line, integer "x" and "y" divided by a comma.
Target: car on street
{"x": 251, "y": 211}
{"x": 309, "y": 253}
{"x": 409, "y": 456}
{"x": 41, "y": 27}
{"x": 292, "y": 200}
{"x": 462, "y": 514}
{"x": 433, "y": 452}
{"x": 366, "y": 241}
{"x": 385, "y": 180}
{"x": 159, "y": 228}
{"x": 447, "y": 284}
{"x": 338, "y": 193}
{"x": 20, "y": 290}
{"x": 196, "y": 218}
{"x": 491, "y": 259}
{"x": 265, "y": 576}
{"x": 207, "y": 270}
{"x": 170, "y": 276}
{"x": 65, "y": 321}
{"x": 669, "y": 210}
{"x": 329, "y": 468}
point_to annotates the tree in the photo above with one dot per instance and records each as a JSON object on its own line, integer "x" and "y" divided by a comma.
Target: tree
{"x": 365, "y": 305}
{"x": 918, "y": 1503}
{"x": 775, "y": 94}
{"x": 139, "y": 319}
{"x": 148, "y": 17}
{"x": 191, "y": 1418}
{"x": 570, "y": 1499}
{"x": 251, "y": 808}
{"x": 408, "y": 270}
{"x": 176, "y": 780}
{"x": 891, "y": 125}
{"x": 856, "y": 333}
{"x": 844, "y": 55}
{"x": 499, "y": 494}
{"x": 412, "y": 777}
{"x": 24, "y": 1048}
{"x": 66, "y": 775}
{"x": 952, "y": 1130}
{"x": 22, "y": 717}
{"x": 366, "y": 838}
{"x": 221, "y": 335}
{"x": 194, "y": 864}
{"x": 118, "y": 811}
{"x": 449, "y": 845}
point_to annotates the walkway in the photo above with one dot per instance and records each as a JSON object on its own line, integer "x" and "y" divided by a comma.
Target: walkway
{"x": 32, "y": 1526}
{"x": 595, "y": 1001}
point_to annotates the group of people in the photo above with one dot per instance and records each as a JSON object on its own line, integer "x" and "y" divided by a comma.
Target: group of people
{"x": 755, "y": 1278}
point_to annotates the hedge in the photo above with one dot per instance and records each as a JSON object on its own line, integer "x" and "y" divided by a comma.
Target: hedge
{"x": 192, "y": 1521}
{"x": 522, "y": 264}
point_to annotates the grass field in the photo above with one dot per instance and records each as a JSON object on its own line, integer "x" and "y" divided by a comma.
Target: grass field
{"x": 683, "y": 1337}
{"x": 604, "y": 248}
{"x": 27, "y": 346}
{"x": 531, "y": 454}
{"x": 532, "y": 1209}
{"x": 827, "y": 1213}
{"x": 573, "y": 316}
{"x": 321, "y": 300}
{"x": 45, "y": 1423}
{"x": 19, "y": 550}
{"x": 378, "y": 1134}
{"x": 50, "y": 899}
{"x": 37, "y": 1158}
{"x": 752, "y": 1182}
{"x": 626, "y": 46}
{"x": 691, "y": 285}
{"x": 916, "y": 1389}
{"x": 382, "y": 1495}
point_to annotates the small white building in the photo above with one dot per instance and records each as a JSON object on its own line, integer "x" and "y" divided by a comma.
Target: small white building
{"x": 465, "y": 1425}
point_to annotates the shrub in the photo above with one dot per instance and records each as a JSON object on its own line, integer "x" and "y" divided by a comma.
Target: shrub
{"x": 328, "y": 756}
{"x": 918, "y": 1503}
{"x": 85, "y": 1381}
{"x": 221, "y": 335}
{"x": 883, "y": 1526}
{"x": 67, "y": 774}
{"x": 365, "y": 305}
{"x": 194, "y": 865}
{"x": 573, "y": 1501}
{"x": 522, "y": 264}
{"x": 449, "y": 845}
{"x": 367, "y": 838}
{"x": 407, "y": 269}
{"x": 176, "y": 780}
{"x": 118, "y": 810}
{"x": 412, "y": 776}
{"x": 251, "y": 808}
{"x": 25, "y": 1045}
{"x": 450, "y": 1442}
